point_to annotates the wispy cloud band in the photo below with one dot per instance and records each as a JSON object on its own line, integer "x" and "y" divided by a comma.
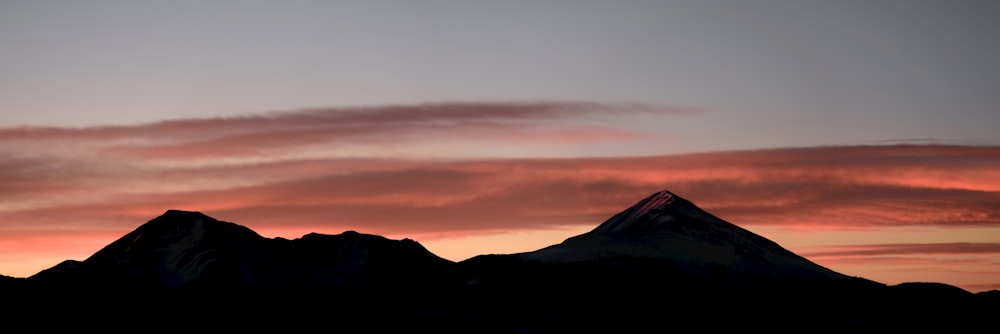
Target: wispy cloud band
{"x": 827, "y": 187}
{"x": 282, "y": 133}
{"x": 327, "y": 170}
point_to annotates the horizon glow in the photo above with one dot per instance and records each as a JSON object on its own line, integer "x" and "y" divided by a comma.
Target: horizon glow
{"x": 282, "y": 174}
{"x": 860, "y": 134}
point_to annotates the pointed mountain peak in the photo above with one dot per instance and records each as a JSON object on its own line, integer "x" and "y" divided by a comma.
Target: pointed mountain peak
{"x": 669, "y": 228}
{"x": 657, "y": 201}
{"x": 660, "y": 208}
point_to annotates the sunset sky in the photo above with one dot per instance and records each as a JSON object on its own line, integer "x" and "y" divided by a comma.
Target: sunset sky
{"x": 863, "y": 135}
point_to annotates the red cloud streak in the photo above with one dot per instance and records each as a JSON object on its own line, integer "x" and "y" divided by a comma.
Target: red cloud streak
{"x": 823, "y": 187}
{"x": 947, "y": 248}
{"x": 263, "y": 172}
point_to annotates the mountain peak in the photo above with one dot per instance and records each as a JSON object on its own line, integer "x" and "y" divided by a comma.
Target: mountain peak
{"x": 188, "y": 248}
{"x": 181, "y": 213}
{"x": 664, "y": 205}
{"x": 177, "y": 216}
{"x": 669, "y": 228}
{"x": 180, "y": 223}
{"x": 657, "y": 201}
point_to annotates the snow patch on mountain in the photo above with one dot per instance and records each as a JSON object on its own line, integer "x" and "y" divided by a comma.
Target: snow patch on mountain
{"x": 184, "y": 258}
{"x": 666, "y": 227}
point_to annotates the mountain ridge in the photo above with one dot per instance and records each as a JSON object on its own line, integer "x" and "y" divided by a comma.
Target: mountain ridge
{"x": 662, "y": 248}
{"x": 189, "y": 248}
{"x": 670, "y": 228}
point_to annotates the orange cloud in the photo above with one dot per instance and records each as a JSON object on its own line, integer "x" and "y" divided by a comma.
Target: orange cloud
{"x": 324, "y": 170}
{"x": 969, "y": 265}
{"x": 946, "y": 248}
{"x": 816, "y": 187}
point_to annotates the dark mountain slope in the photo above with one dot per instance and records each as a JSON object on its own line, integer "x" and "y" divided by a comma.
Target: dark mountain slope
{"x": 672, "y": 230}
{"x": 666, "y": 262}
{"x": 661, "y": 265}
{"x": 191, "y": 250}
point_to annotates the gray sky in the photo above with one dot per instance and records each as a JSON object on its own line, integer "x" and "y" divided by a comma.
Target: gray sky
{"x": 482, "y": 80}
{"x": 764, "y": 73}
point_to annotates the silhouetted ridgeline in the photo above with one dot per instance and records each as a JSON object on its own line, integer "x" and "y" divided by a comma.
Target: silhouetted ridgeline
{"x": 662, "y": 264}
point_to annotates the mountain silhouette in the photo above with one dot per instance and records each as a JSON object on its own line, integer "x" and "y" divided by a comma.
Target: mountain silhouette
{"x": 189, "y": 249}
{"x": 662, "y": 264}
{"x": 669, "y": 228}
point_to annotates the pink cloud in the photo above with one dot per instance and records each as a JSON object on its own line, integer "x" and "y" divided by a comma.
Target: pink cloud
{"x": 263, "y": 171}
{"x": 946, "y": 248}
{"x": 280, "y": 132}
{"x": 51, "y": 191}
{"x": 969, "y": 265}
{"x": 389, "y": 195}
